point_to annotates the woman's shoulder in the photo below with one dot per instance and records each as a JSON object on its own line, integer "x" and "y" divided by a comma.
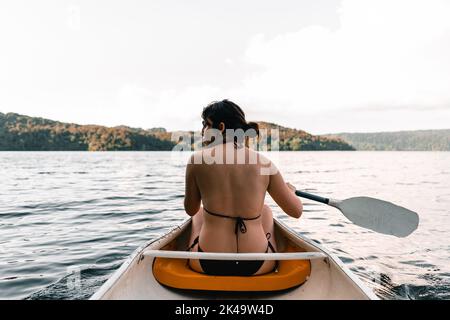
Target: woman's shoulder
{"x": 266, "y": 165}
{"x": 211, "y": 156}
{"x": 259, "y": 156}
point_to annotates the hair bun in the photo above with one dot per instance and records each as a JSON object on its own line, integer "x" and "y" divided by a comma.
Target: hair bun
{"x": 254, "y": 126}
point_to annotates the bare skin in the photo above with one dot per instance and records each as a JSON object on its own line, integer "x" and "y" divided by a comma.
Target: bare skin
{"x": 236, "y": 190}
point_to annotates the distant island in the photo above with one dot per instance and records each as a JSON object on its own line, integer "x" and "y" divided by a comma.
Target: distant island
{"x": 24, "y": 133}
{"x": 417, "y": 140}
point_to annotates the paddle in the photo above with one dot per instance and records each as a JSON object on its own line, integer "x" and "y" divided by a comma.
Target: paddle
{"x": 374, "y": 214}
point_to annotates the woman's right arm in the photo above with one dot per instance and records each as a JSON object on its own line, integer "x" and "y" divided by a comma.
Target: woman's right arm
{"x": 284, "y": 196}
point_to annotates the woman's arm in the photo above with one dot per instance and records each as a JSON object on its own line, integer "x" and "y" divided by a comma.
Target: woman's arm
{"x": 192, "y": 197}
{"x": 284, "y": 195}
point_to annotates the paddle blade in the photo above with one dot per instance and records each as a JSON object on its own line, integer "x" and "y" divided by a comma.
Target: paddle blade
{"x": 380, "y": 216}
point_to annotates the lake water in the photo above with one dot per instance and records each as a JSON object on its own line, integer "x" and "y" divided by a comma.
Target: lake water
{"x": 69, "y": 219}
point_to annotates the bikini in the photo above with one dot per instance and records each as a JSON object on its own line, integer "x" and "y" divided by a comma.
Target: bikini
{"x": 232, "y": 267}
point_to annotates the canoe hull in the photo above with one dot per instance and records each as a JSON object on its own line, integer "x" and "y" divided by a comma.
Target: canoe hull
{"x": 330, "y": 279}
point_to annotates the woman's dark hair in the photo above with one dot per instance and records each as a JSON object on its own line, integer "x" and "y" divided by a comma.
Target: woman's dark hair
{"x": 231, "y": 115}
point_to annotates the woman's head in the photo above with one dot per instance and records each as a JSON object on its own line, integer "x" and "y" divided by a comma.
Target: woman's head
{"x": 225, "y": 115}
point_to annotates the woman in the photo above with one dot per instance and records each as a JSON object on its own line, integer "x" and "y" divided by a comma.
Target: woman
{"x": 234, "y": 217}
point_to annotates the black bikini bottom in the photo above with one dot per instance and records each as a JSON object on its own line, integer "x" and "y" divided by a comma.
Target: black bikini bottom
{"x": 232, "y": 267}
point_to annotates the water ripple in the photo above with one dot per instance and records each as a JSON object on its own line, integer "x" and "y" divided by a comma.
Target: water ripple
{"x": 68, "y": 220}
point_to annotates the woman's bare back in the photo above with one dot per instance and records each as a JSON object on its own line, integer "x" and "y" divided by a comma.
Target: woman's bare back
{"x": 233, "y": 186}
{"x": 237, "y": 190}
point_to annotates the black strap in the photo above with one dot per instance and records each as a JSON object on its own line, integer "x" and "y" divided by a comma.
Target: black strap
{"x": 268, "y": 235}
{"x": 193, "y": 244}
{"x": 240, "y": 224}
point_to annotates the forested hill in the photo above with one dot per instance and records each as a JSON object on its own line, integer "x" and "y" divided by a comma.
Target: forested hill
{"x": 296, "y": 140}
{"x": 418, "y": 140}
{"x": 18, "y": 132}
{"x": 24, "y": 133}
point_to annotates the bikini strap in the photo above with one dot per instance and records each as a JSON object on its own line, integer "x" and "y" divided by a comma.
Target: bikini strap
{"x": 240, "y": 225}
{"x": 240, "y": 222}
{"x": 269, "y": 245}
{"x": 193, "y": 244}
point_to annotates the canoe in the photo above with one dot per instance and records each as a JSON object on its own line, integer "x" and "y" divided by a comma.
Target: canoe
{"x": 159, "y": 270}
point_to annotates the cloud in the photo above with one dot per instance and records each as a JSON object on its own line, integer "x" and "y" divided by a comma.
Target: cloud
{"x": 385, "y": 53}
{"x": 384, "y": 60}
{"x": 174, "y": 109}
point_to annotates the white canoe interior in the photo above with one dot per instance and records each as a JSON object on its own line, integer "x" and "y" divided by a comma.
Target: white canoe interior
{"x": 329, "y": 279}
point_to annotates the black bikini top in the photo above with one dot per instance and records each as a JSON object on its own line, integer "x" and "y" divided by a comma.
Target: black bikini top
{"x": 240, "y": 224}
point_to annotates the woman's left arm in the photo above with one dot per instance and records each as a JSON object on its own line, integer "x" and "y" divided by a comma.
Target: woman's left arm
{"x": 192, "y": 196}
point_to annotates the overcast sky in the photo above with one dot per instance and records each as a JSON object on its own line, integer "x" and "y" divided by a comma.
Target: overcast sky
{"x": 319, "y": 65}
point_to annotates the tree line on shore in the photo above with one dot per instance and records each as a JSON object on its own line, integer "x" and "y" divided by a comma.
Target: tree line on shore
{"x": 24, "y": 133}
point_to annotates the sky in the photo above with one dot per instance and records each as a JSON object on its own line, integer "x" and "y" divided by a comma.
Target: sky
{"x": 324, "y": 66}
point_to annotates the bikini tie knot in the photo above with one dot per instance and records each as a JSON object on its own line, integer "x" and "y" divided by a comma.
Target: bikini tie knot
{"x": 240, "y": 225}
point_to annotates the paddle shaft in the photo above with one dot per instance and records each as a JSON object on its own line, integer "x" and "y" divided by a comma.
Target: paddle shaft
{"x": 312, "y": 197}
